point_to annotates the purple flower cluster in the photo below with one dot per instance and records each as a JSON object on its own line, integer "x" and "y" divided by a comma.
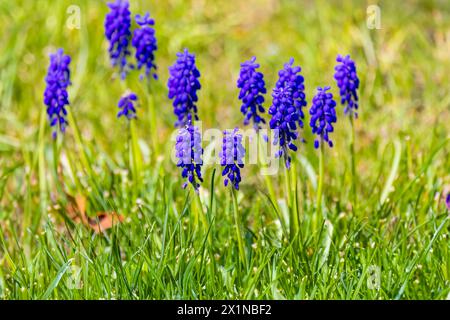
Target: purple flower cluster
{"x": 117, "y": 31}
{"x": 447, "y": 201}
{"x": 251, "y": 83}
{"x": 323, "y": 115}
{"x": 189, "y": 152}
{"x": 348, "y": 84}
{"x": 144, "y": 41}
{"x": 56, "y": 97}
{"x": 231, "y": 157}
{"x": 286, "y": 109}
{"x": 183, "y": 84}
{"x": 126, "y": 105}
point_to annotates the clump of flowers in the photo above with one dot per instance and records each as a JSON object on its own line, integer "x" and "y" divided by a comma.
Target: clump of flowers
{"x": 144, "y": 41}
{"x": 183, "y": 85}
{"x": 126, "y": 105}
{"x": 286, "y": 109}
{"x": 323, "y": 115}
{"x": 56, "y": 97}
{"x": 232, "y": 157}
{"x": 252, "y": 85}
{"x": 348, "y": 83}
{"x": 189, "y": 152}
{"x": 117, "y": 31}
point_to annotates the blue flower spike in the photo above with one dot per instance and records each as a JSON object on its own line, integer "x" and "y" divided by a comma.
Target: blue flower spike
{"x": 348, "y": 83}
{"x": 323, "y": 115}
{"x": 56, "y": 97}
{"x": 287, "y": 109}
{"x": 126, "y": 106}
{"x": 252, "y": 89}
{"x": 183, "y": 85}
{"x": 118, "y": 33}
{"x": 189, "y": 151}
{"x": 145, "y": 44}
{"x": 232, "y": 157}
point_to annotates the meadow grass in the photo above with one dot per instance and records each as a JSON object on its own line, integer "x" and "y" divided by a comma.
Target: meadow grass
{"x": 221, "y": 244}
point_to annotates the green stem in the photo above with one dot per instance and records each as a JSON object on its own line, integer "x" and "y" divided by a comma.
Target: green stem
{"x": 135, "y": 159}
{"x": 287, "y": 186}
{"x": 79, "y": 141}
{"x": 353, "y": 160}
{"x": 56, "y": 154}
{"x": 200, "y": 212}
{"x": 294, "y": 205}
{"x": 41, "y": 160}
{"x": 262, "y": 156}
{"x": 288, "y": 191}
{"x": 238, "y": 229}
{"x": 319, "y": 187}
{"x": 153, "y": 122}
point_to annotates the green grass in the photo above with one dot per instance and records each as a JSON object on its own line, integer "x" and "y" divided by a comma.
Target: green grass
{"x": 174, "y": 244}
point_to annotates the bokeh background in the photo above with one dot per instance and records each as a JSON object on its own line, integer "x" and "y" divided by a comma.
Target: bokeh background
{"x": 404, "y": 66}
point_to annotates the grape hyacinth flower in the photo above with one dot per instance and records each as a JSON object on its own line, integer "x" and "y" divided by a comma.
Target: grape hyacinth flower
{"x": 252, "y": 85}
{"x": 183, "y": 84}
{"x": 189, "y": 152}
{"x": 348, "y": 83}
{"x": 117, "y": 31}
{"x": 323, "y": 115}
{"x": 286, "y": 109}
{"x": 144, "y": 41}
{"x": 56, "y": 97}
{"x": 447, "y": 201}
{"x": 231, "y": 157}
{"x": 126, "y": 105}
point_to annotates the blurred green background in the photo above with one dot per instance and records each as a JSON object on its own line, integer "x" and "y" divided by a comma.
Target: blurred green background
{"x": 404, "y": 66}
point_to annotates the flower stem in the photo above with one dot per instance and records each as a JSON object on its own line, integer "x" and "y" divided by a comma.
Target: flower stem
{"x": 288, "y": 191}
{"x": 263, "y": 156}
{"x": 353, "y": 160}
{"x": 135, "y": 161}
{"x": 79, "y": 141}
{"x": 200, "y": 213}
{"x": 319, "y": 186}
{"x": 294, "y": 213}
{"x": 43, "y": 197}
{"x": 287, "y": 186}
{"x": 238, "y": 229}
{"x": 153, "y": 122}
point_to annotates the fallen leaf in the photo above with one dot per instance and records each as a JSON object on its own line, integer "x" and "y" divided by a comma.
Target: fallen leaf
{"x": 76, "y": 210}
{"x": 104, "y": 221}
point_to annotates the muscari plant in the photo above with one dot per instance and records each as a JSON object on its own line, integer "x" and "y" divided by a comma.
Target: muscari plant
{"x": 183, "y": 85}
{"x": 286, "y": 109}
{"x": 232, "y": 161}
{"x": 143, "y": 40}
{"x": 127, "y": 109}
{"x": 287, "y": 118}
{"x": 348, "y": 83}
{"x": 323, "y": 115}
